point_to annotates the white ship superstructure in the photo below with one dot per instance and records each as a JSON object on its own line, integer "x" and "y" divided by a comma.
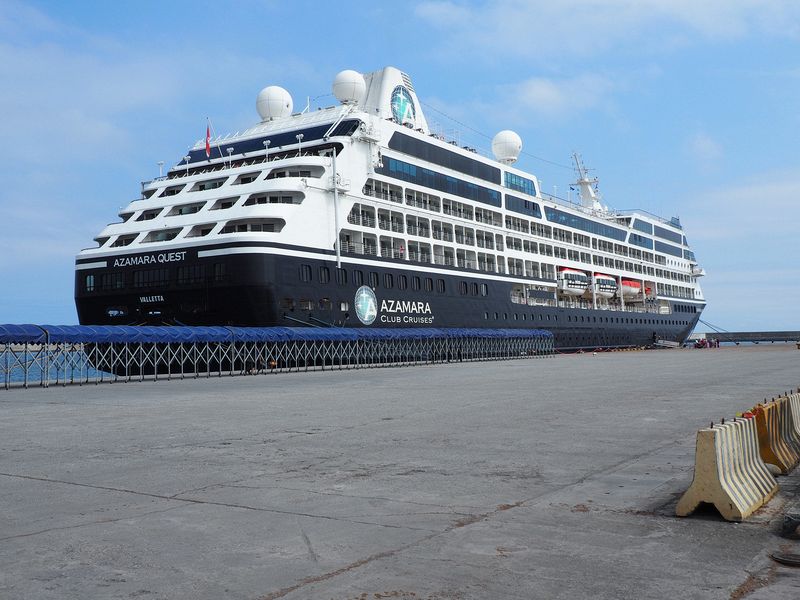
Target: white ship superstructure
{"x": 291, "y": 220}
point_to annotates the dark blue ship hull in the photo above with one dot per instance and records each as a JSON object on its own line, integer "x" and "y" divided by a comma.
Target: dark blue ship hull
{"x": 269, "y": 287}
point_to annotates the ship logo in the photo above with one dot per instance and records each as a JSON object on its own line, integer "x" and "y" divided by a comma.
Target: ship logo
{"x": 366, "y": 305}
{"x": 403, "y": 109}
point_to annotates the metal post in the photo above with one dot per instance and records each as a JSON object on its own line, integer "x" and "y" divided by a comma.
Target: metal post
{"x": 336, "y": 211}
{"x": 594, "y": 292}
{"x": 621, "y": 295}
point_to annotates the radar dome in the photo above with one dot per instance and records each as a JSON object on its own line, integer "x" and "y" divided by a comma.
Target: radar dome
{"x": 349, "y": 87}
{"x": 274, "y": 102}
{"x": 506, "y": 146}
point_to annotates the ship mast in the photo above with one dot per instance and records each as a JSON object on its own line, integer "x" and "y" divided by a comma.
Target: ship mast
{"x": 590, "y": 197}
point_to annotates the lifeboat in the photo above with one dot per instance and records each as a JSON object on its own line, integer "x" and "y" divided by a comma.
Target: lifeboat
{"x": 631, "y": 289}
{"x": 572, "y": 282}
{"x": 605, "y": 285}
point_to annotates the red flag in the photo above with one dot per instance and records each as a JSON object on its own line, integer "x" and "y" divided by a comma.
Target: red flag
{"x": 208, "y": 141}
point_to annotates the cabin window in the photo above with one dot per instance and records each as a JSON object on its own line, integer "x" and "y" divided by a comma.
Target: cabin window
{"x": 341, "y": 276}
{"x": 358, "y": 277}
{"x": 324, "y": 274}
{"x": 388, "y": 280}
{"x": 219, "y": 272}
{"x": 463, "y": 288}
{"x": 440, "y": 286}
{"x": 112, "y": 281}
{"x": 428, "y": 284}
{"x": 373, "y": 279}
{"x": 415, "y": 282}
{"x": 305, "y": 273}
{"x": 89, "y": 283}
{"x": 474, "y": 289}
{"x": 191, "y": 274}
{"x": 150, "y": 278}
{"x": 484, "y": 289}
{"x": 402, "y": 282}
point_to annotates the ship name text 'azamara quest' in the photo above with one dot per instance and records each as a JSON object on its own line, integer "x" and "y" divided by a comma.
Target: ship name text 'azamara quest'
{"x": 359, "y": 215}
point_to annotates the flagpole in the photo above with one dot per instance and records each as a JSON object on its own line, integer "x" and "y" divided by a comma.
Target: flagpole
{"x": 211, "y": 125}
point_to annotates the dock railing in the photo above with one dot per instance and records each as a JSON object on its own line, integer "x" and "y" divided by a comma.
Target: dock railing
{"x": 34, "y": 356}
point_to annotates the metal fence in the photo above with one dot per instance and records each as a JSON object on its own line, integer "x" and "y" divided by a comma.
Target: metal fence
{"x": 59, "y": 359}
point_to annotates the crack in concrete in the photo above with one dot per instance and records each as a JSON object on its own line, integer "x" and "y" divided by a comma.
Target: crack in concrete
{"x": 87, "y": 524}
{"x": 314, "y": 556}
{"x": 468, "y": 520}
{"x": 360, "y": 497}
{"x": 211, "y": 502}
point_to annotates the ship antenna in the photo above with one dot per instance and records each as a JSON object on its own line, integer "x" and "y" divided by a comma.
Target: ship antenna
{"x": 590, "y": 197}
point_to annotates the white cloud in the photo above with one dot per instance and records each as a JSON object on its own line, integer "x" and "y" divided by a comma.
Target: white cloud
{"x": 763, "y": 211}
{"x": 745, "y": 236}
{"x": 705, "y": 150}
{"x": 556, "y": 98}
{"x": 541, "y": 29}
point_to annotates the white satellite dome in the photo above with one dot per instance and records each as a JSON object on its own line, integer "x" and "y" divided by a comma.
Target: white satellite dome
{"x": 349, "y": 87}
{"x": 506, "y": 146}
{"x": 274, "y": 102}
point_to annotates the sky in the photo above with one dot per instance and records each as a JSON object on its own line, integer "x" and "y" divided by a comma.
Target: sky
{"x": 680, "y": 108}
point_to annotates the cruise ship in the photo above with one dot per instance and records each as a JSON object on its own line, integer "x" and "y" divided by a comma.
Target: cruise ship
{"x": 362, "y": 215}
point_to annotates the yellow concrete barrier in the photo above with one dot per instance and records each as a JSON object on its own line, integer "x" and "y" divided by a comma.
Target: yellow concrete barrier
{"x": 774, "y": 444}
{"x": 794, "y": 407}
{"x": 728, "y": 472}
{"x": 789, "y": 425}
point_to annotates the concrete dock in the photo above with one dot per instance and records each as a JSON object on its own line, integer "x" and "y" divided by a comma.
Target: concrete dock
{"x": 520, "y": 479}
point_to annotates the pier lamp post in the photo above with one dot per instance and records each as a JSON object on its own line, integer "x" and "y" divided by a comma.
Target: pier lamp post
{"x": 187, "y": 158}
{"x": 299, "y": 137}
{"x": 160, "y": 168}
{"x": 230, "y": 162}
{"x": 266, "y": 150}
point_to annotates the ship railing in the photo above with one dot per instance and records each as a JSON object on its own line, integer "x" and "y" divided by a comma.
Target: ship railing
{"x": 608, "y": 214}
{"x": 364, "y": 221}
{"x": 418, "y": 231}
{"x": 180, "y": 170}
{"x": 368, "y": 191}
{"x": 457, "y": 213}
{"x": 358, "y": 248}
{"x": 438, "y": 234}
{"x": 614, "y": 306}
{"x": 441, "y": 259}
